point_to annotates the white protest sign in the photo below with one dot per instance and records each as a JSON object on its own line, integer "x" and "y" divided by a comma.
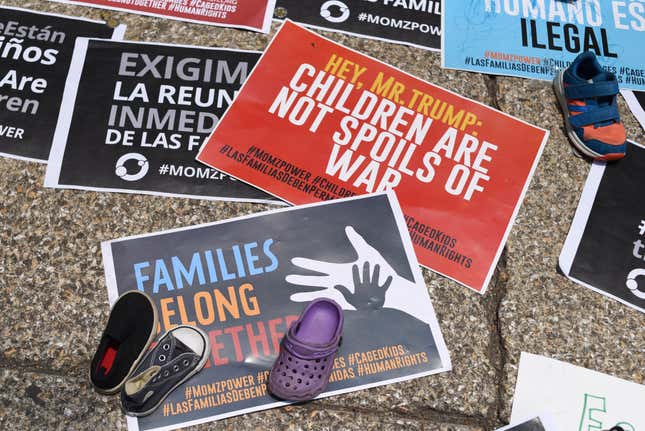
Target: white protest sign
{"x": 577, "y": 399}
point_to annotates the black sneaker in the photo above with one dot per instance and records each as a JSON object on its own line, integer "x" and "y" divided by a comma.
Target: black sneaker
{"x": 180, "y": 354}
{"x": 130, "y": 329}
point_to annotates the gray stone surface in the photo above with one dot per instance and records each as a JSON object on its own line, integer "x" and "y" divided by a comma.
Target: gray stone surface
{"x": 40, "y": 401}
{"x": 54, "y": 301}
{"x": 543, "y": 312}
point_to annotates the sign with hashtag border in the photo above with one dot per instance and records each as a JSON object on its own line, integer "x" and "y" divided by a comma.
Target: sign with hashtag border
{"x": 247, "y": 14}
{"x": 36, "y": 55}
{"x": 405, "y": 22}
{"x": 605, "y": 248}
{"x": 636, "y": 102}
{"x": 535, "y": 39}
{"x": 349, "y": 124}
{"x": 150, "y": 106}
{"x": 245, "y": 281}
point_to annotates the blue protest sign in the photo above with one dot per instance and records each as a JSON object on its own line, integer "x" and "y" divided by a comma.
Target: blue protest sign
{"x": 534, "y": 38}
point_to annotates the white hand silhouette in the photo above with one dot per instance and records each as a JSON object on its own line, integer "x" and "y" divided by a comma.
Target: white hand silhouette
{"x": 403, "y": 295}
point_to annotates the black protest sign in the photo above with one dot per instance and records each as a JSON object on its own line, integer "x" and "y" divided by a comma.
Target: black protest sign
{"x": 534, "y": 424}
{"x": 636, "y": 102}
{"x": 605, "y": 248}
{"x": 135, "y": 115}
{"x": 244, "y": 281}
{"x": 410, "y": 22}
{"x": 35, "y": 53}
{"x": 640, "y": 96}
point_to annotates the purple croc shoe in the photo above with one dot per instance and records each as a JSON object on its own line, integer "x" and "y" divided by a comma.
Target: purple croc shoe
{"x": 301, "y": 371}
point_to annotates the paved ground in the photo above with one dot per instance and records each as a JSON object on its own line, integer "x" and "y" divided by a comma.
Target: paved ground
{"x": 53, "y": 298}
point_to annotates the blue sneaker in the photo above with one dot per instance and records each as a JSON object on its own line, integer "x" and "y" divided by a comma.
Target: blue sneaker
{"x": 587, "y": 95}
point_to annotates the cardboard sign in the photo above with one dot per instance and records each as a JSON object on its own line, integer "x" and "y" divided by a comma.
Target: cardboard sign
{"x": 36, "y": 51}
{"x": 576, "y": 398}
{"x": 245, "y": 280}
{"x": 534, "y": 39}
{"x": 605, "y": 247}
{"x": 636, "y": 102}
{"x": 409, "y": 22}
{"x": 318, "y": 121}
{"x": 151, "y": 106}
{"x": 248, "y": 14}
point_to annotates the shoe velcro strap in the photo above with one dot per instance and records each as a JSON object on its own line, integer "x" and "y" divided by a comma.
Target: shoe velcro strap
{"x": 307, "y": 351}
{"x": 597, "y": 115}
{"x": 588, "y": 91}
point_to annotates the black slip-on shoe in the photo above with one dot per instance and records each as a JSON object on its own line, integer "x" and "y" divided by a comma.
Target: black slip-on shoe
{"x": 180, "y": 354}
{"x": 131, "y": 328}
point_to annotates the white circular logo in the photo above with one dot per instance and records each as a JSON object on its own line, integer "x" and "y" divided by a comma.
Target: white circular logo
{"x": 632, "y": 284}
{"x": 122, "y": 172}
{"x": 326, "y": 11}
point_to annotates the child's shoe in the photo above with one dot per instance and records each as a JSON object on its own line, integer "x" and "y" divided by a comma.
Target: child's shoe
{"x": 301, "y": 371}
{"x": 130, "y": 329}
{"x": 180, "y": 354}
{"x": 587, "y": 95}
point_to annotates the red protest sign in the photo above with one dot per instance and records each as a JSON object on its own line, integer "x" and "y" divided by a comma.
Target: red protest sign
{"x": 248, "y": 14}
{"x": 318, "y": 121}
